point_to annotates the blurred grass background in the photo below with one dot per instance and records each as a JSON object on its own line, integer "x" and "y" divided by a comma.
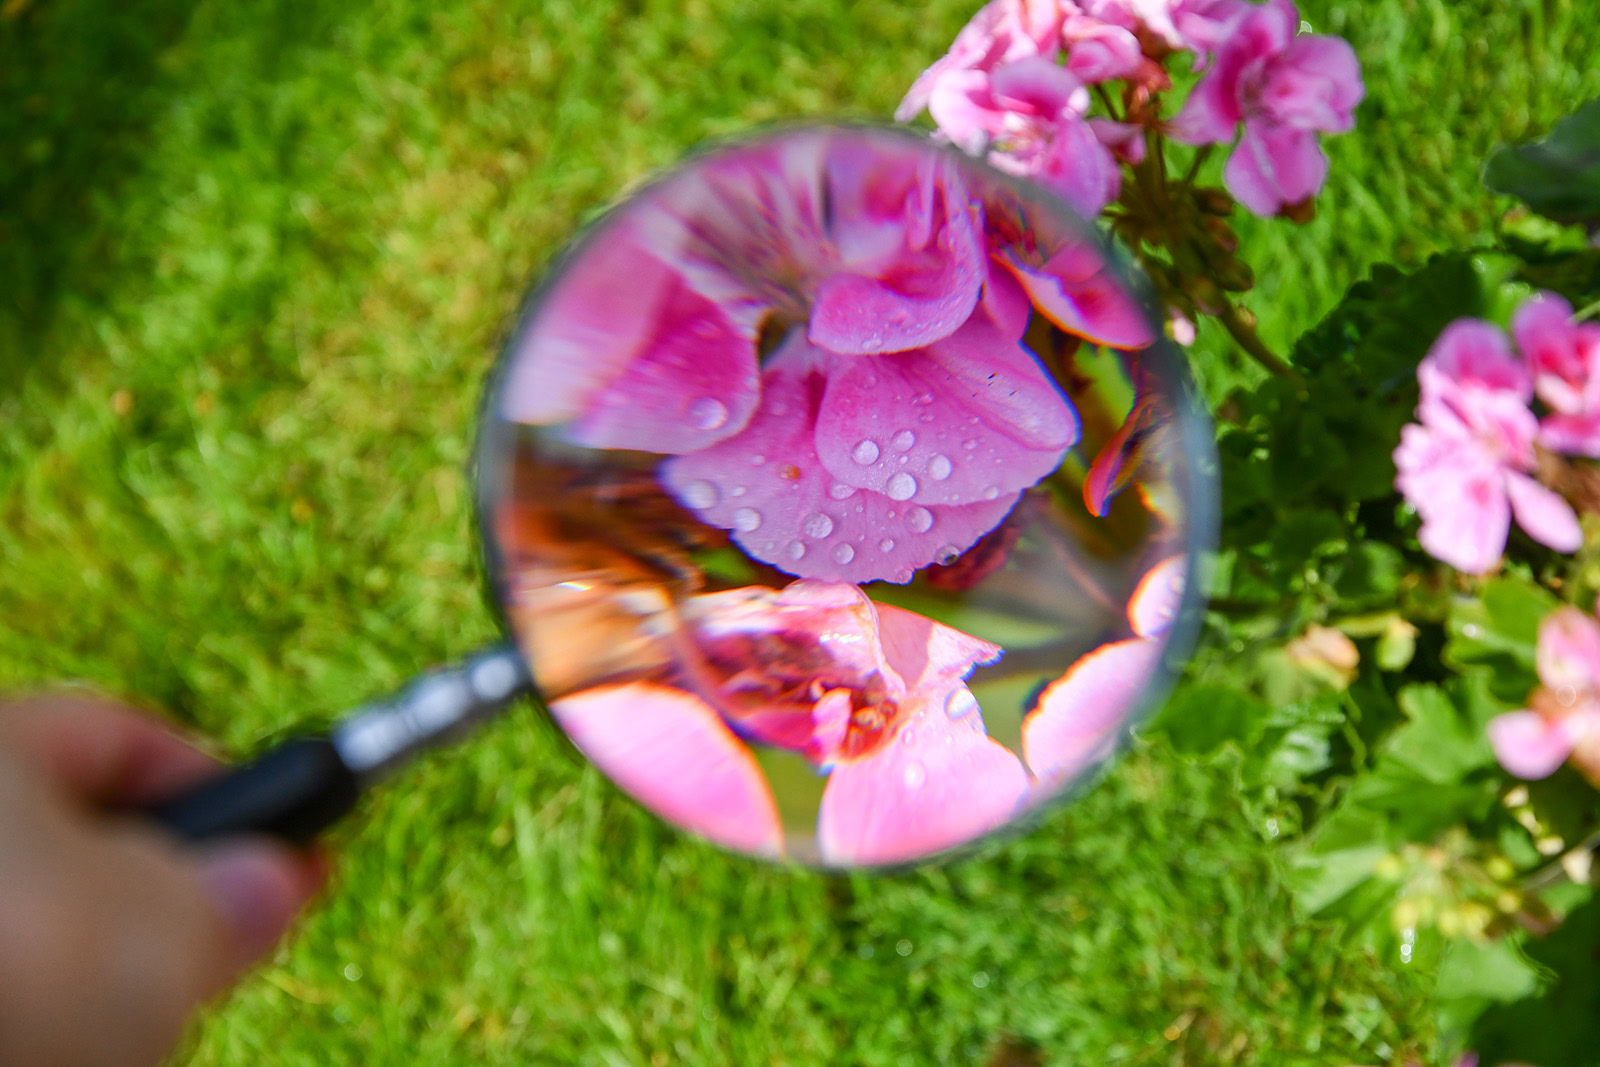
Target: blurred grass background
{"x": 254, "y": 260}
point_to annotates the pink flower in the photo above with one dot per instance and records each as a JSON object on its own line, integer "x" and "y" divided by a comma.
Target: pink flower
{"x": 1564, "y": 721}
{"x": 1002, "y": 31}
{"x": 871, "y": 693}
{"x": 1192, "y": 25}
{"x": 1464, "y": 468}
{"x": 1565, "y": 358}
{"x": 1079, "y": 717}
{"x": 1284, "y": 89}
{"x": 1028, "y": 116}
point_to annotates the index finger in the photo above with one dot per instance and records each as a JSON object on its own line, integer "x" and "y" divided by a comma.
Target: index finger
{"x": 100, "y": 751}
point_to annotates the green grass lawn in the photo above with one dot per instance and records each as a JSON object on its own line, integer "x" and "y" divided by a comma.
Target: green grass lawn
{"x": 254, "y": 259}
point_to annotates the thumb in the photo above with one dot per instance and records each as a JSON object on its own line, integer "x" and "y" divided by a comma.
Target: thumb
{"x": 257, "y": 887}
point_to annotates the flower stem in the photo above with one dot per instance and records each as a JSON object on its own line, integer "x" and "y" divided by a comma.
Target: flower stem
{"x": 1586, "y": 312}
{"x": 1197, "y": 162}
{"x": 1245, "y": 334}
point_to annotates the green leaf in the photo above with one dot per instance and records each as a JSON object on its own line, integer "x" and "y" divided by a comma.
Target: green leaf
{"x": 1559, "y": 176}
{"x": 1490, "y": 971}
{"x": 1320, "y": 879}
{"x": 1439, "y": 743}
{"x": 1497, "y": 634}
{"x": 1200, "y": 719}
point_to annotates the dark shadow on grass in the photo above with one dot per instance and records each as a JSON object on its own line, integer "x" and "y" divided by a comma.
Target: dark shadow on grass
{"x": 79, "y": 83}
{"x": 1556, "y": 1029}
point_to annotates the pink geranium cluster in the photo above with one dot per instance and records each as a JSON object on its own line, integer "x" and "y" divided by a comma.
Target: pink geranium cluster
{"x": 1467, "y": 464}
{"x": 1562, "y": 720}
{"x": 1015, "y": 86}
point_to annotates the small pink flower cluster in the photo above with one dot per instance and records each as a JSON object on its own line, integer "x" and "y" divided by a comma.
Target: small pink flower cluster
{"x": 1015, "y": 85}
{"x": 1467, "y": 464}
{"x": 1562, "y": 720}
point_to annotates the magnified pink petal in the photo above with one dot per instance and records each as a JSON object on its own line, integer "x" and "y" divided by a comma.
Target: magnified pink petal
{"x": 1117, "y": 463}
{"x": 929, "y": 655}
{"x": 694, "y": 383}
{"x": 1076, "y": 165}
{"x": 672, "y": 752}
{"x": 1157, "y": 597}
{"x": 1076, "y": 292}
{"x": 1542, "y": 512}
{"x": 1569, "y": 653}
{"x": 1080, "y": 715}
{"x": 970, "y": 419}
{"x": 1006, "y": 302}
{"x": 1529, "y": 745}
{"x": 940, "y": 783}
{"x": 770, "y": 488}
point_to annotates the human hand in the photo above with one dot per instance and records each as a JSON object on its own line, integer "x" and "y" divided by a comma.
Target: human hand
{"x": 111, "y": 931}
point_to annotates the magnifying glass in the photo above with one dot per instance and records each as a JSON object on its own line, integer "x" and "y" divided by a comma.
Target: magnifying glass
{"x": 841, "y": 500}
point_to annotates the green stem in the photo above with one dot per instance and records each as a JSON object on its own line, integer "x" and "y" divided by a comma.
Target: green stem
{"x": 1105, "y": 98}
{"x": 1195, "y": 164}
{"x": 1247, "y": 338}
{"x": 1587, "y": 311}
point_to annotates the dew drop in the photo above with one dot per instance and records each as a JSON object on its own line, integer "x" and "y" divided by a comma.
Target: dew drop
{"x": 960, "y": 703}
{"x": 908, "y": 737}
{"x": 926, "y": 416}
{"x": 737, "y": 490}
{"x": 757, "y": 460}
{"x": 915, "y": 775}
{"x": 920, "y": 520}
{"x": 840, "y": 491}
{"x": 992, "y": 493}
{"x": 969, "y": 444}
{"x": 948, "y": 555}
{"x": 886, "y": 545}
{"x": 902, "y": 486}
{"x": 865, "y": 452}
{"x": 903, "y": 440}
{"x": 818, "y": 525}
{"x": 708, "y": 414}
{"x": 922, "y": 399}
{"x": 843, "y": 554}
{"x": 939, "y": 467}
{"x": 700, "y": 495}
{"x": 746, "y": 519}
{"x": 796, "y": 549}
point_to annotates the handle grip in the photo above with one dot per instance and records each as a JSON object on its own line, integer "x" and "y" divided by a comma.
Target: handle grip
{"x": 293, "y": 792}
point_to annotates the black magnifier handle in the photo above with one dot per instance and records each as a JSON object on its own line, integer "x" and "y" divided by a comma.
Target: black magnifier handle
{"x": 303, "y": 786}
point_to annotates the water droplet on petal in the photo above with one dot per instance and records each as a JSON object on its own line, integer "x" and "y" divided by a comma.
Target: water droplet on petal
{"x": 796, "y": 549}
{"x": 915, "y": 774}
{"x": 903, "y": 440}
{"x": 902, "y": 486}
{"x": 840, "y": 491}
{"x": 818, "y": 525}
{"x": 948, "y": 555}
{"x": 920, "y": 520}
{"x": 991, "y": 493}
{"x": 886, "y": 545}
{"x": 843, "y": 554}
{"x": 708, "y": 414}
{"x": 908, "y": 737}
{"x": 700, "y": 495}
{"x": 757, "y": 460}
{"x": 865, "y": 452}
{"x": 737, "y": 490}
{"x": 926, "y": 416}
{"x": 746, "y": 519}
{"x": 939, "y": 467}
{"x": 922, "y": 399}
{"x": 969, "y": 444}
{"x": 960, "y": 703}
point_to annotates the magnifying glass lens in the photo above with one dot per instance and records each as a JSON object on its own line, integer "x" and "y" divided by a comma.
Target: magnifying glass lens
{"x": 842, "y": 497}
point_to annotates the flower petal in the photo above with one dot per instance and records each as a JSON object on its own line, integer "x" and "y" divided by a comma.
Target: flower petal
{"x": 1315, "y": 85}
{"x": 1273, "y": 167}
{"x": 1156, "y": 599}
{"x": 1080, "y": 715}
{"x": 671, "y": 751}
{"x": 970, "y": 419}
{"x": 1529, "y": 745}
{"x": 1542, "y": 512}
{"x": 694, "y": 383}
{"x": 785, "y": 508}
{"x": 1075, "y": 290}
{"x": 940, "y": 783}
{"x": 1575, "y": 435}
{"x": 928, "y": 654}
{"x": 1569, "y": 654}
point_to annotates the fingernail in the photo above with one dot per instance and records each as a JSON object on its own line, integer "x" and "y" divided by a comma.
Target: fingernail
{"x": 255, "y": 888}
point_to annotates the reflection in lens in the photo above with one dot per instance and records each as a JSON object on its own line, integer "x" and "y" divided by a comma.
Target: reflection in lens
{"x": 842, "y": 497}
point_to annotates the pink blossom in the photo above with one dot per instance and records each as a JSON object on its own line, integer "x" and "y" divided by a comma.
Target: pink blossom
{"x": 1028, "y": 116}
{"x": 1192, "y": 25}
{"x": 1465, "y": 467}
{"x": 1564, "y": 720}
{"x": 1565, "y": 358}
{"x": 1079, "y": 717}
{"x": 1284, "y": 89}
{"x": 871, "y": 693}
{"x": 1001, "y": 32}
